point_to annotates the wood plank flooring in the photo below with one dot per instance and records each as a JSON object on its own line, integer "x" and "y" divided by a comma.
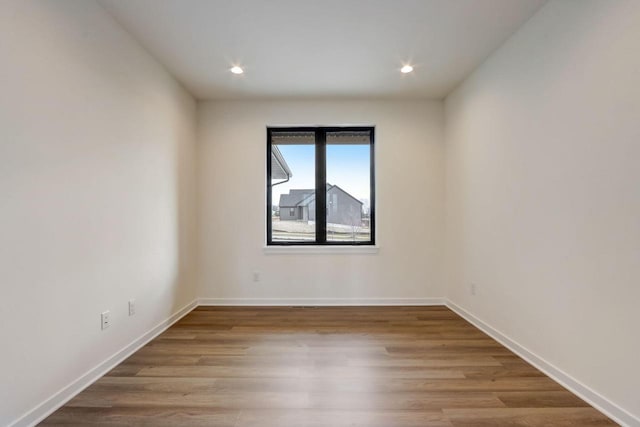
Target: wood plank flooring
{"x": 329, "y": 366}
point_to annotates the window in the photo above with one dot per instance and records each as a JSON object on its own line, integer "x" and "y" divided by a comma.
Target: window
{"x": 320, "y": 186}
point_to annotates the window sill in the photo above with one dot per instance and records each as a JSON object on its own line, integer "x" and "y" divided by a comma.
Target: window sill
{"x": 328, "y": 249}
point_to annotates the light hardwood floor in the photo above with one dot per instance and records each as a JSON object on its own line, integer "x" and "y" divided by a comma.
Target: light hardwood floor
{"x": 331, "y": 366}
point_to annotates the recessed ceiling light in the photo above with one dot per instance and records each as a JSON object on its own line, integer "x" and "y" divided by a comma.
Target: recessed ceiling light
{"x": 406, "y": 69}
{"x": 236, "y": 70}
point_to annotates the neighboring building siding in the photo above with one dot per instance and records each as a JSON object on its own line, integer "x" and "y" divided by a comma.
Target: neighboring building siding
{"x": 285, "y": 213}
{"x": 303, "y": 213}
{"x": 312, "y": 211}
{"x": 292, "y": 201}
{"x": 342, "y": 208}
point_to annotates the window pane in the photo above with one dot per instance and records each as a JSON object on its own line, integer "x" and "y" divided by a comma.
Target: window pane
{"x": 348, "y": 186}
{"x": 293, "y": 186}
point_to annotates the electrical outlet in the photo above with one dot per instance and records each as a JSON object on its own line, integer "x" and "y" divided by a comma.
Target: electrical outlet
{"x": 256, "y": 276}
{"x": 473, "y": 289}
{"x": 105, "y": 318}
{"x": 132, "y": 307}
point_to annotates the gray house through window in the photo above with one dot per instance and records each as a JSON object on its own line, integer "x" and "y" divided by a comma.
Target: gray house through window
{"x": 342, "y": 207}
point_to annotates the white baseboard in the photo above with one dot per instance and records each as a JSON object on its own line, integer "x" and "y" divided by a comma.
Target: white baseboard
{"x": 318, "y": 301}
{"x": 601, "y": 403}
{"x": 65, "y": 394}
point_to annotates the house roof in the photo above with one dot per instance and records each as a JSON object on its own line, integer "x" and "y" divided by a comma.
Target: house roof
{"x": 306, "y": 197}
{"x": 294, "y": 197}
{"x": 279, "y": 167}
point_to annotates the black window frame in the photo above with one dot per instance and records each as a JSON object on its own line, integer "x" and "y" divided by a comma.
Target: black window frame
{"x": 320, "y": 133}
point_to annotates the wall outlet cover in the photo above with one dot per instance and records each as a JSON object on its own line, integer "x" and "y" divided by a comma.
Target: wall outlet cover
{"x": 105, "y": 318}
{"x": 132, "y": 307}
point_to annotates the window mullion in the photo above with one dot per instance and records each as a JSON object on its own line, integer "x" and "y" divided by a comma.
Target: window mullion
{"x": 321, "y": 185}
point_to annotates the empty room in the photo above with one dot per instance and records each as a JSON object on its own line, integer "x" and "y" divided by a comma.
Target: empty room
{"x": 320, "y": 213}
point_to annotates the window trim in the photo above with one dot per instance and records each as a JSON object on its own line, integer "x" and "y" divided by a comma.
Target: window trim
{"x": 320, "y": 133}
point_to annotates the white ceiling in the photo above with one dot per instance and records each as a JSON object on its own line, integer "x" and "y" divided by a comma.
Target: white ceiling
{"x": 321, "y": 48}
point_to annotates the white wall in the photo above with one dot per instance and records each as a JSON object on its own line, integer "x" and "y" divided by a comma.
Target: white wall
{"x": 543, "y": 192}
{"x": 96, "y": 195}
{"x": 410, "y": 223}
